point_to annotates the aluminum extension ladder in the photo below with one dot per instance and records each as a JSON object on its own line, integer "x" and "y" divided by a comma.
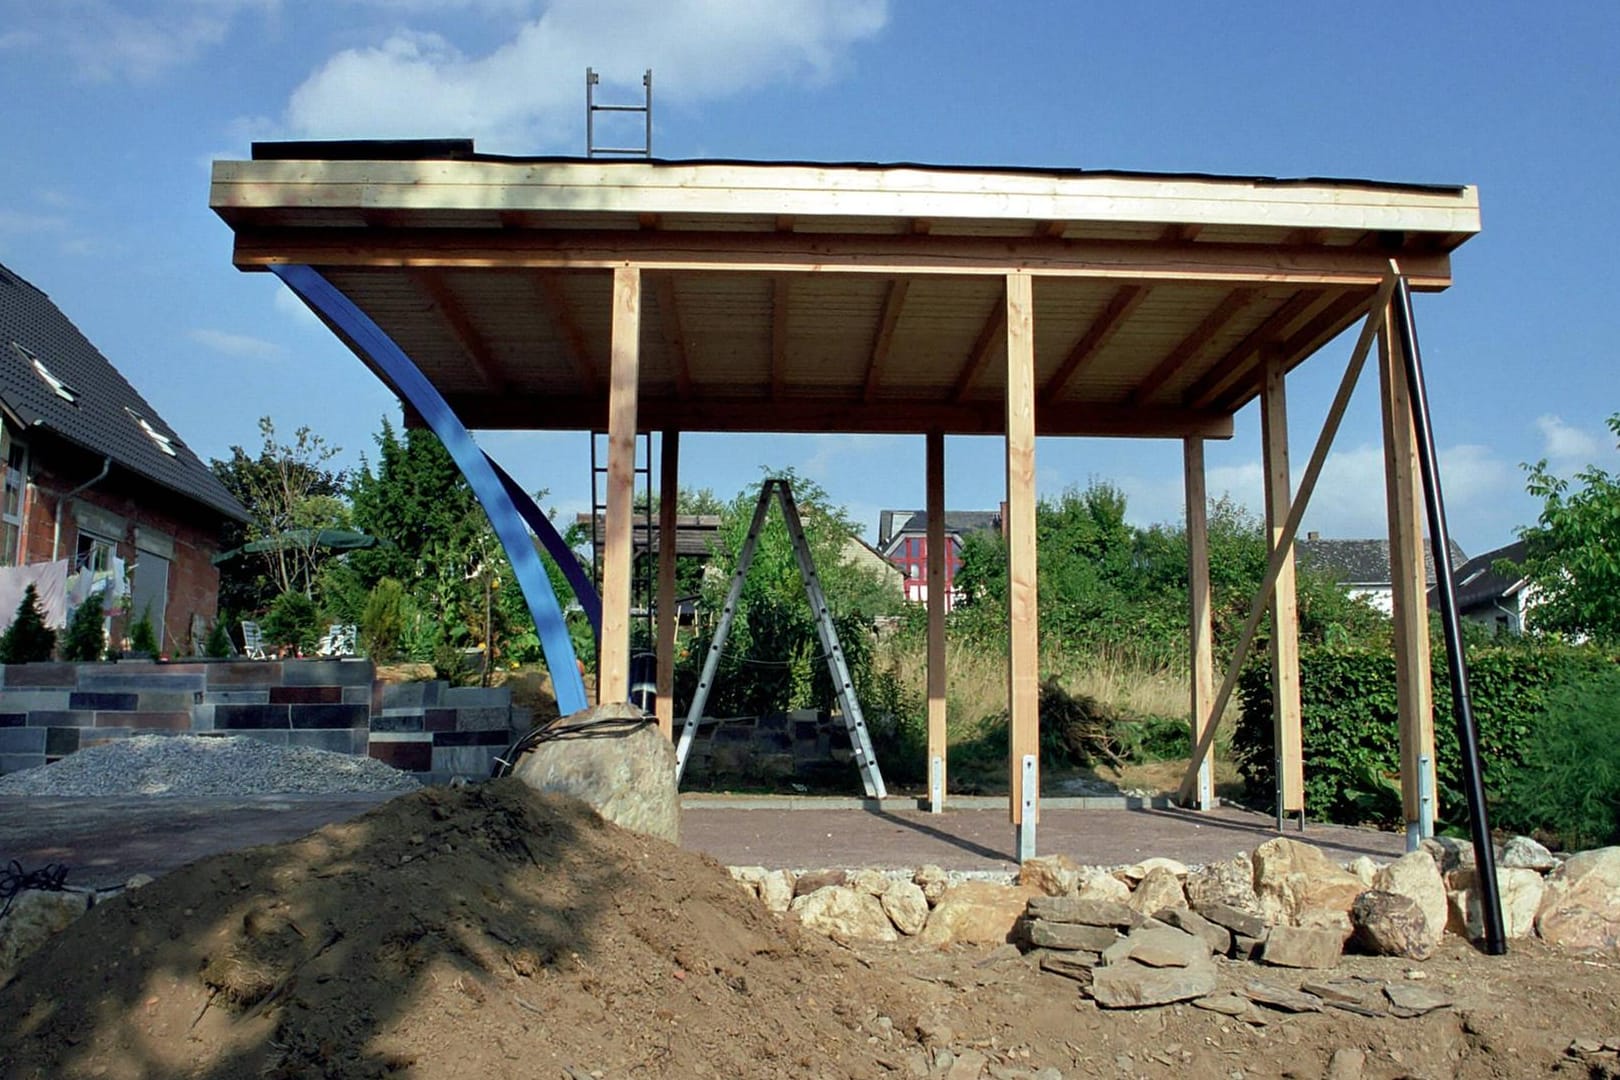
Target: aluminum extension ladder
{"x": 849, "y": 706}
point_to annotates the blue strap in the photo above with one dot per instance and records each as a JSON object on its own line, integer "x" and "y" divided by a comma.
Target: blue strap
{"x": 367, "y": 338}
{"x": 584, "y": 588}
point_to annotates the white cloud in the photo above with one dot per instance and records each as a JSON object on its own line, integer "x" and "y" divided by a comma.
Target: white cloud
{"x": 1566, "y": 444}
{"x": 105, "y": 41}
{"x": 239, "y": 345}
{"x": 16, "y": 221}
{"x": 526, "y": 96}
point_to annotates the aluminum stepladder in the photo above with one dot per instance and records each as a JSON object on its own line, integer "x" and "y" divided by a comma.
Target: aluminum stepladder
{"x": 849, "y": 706}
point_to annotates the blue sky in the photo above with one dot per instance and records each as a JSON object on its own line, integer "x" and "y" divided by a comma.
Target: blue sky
{"x": 114, "y": 111}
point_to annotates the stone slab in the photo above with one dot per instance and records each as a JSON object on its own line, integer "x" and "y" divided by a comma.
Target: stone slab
{"x": 327, "y": 673}
{"x": 167, "y": 700}
{"x": 411, "y": 695}
{"x": 146, "y": 721}
{"x": 13, "y": 719}
{"x": 251, "y": 717}
{"x": 306, "y": 695}
{"x": 470, "y": 761}
{"x": 10, "y": 763}
{"x": 22, "y": 740}
{"x": 484, "y": 718}
{"x": 62, "y": 740}
{"x": 415, "y": 756}
{"x": 1130, "y": 985}
{"x": 337, "y": 740}
{"x": 259, "y": 673}
{"x": 329, "y": 716}
{"x": 1070, "y": 937}
{"x": 472, "y": 738}
{"x": 101, "y": 700}
{"x": 30, "y": 700}
{"x": 61, "y": 718}
{"x": 41, "y": 675}
{"x": 148, "y": 681}
{"x": 397, "y": 720}
{"x": 237, "y": 697}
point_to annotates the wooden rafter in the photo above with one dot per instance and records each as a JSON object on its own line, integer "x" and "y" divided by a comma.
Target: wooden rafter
{"x": 893, "y": 305}
{"x": 1244, "y": 355}
{"x": 472, "y": 342}
{"x": 1188, "y": 348}
{"x": 1051, "y": 230}
{"x": 669, "y": 324}
{"x": 1124, "y": 301}
{"x": 575, "y": 346}
{"x": 650, "y": 221}
{"x": 993, "y": 329}
{"x": 1327, "y": 324}
{"x": 779, "y": 334}
{"x": 921, "y": 226}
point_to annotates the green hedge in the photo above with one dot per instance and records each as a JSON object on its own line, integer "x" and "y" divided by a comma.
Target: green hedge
{"x": 1352, "y": 741}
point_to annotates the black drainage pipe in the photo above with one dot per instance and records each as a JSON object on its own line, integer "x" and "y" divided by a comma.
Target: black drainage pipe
{"x": 1446, "y": 594}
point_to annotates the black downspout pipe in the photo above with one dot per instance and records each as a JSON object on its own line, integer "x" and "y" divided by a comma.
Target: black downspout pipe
{"x": 1446, "y": 594}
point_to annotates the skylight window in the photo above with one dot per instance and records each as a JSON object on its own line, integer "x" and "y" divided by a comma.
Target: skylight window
{"x": 62, "y": 389}
{"x": 164, "y": 442}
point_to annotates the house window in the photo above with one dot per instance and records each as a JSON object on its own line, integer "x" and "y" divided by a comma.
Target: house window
{"x": 164, "y": 442}
{"x": 16, "y": 480}
{"x": 60, "y": 388}
{"x": 94, "y": 553}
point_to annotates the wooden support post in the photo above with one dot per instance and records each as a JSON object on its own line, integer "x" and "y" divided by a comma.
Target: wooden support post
{"x": 1023, "y": 687}
{"x": 613, "y": 679}
{"x": 1409, "y": 593}
{"x": 1284, "y": 608}
{"x": 1200, "y": 624}
{"x": 668, "y": 490}
{"x": 937, "y": 592}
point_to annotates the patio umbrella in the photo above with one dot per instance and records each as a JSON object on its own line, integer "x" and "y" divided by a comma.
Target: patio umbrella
{"x": 331, "y": 539}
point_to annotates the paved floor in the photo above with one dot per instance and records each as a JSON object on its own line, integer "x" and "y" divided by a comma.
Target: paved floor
{"x": 105, "y": 841}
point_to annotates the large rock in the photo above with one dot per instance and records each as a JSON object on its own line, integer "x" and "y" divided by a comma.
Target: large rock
{"x": 1291, "y": 877}
{"x": 1390, "y": 924}
{"x": 621, "y": 765}
{"x": 976, "y": 913}
{"x": 1450, "y": 853}
{"x": 1581, "y": 909}
{"x": 1131, "y": 985}
{"x": 1098, "y": 884}
{"x": 932, "y": 881}
{"x": 1416, "y": 876}
{"x": 906, "y": 906}
{"x": 1218, "y": 938}
{"x": 1054, "y": 875}
{"x": 36, "y": 916}
{"x": 1158, "y": 946}
{"x": 1300, "y": 947}
{"x": 841, "y": 911}
{"x": 1229, "y": 882}
{"x": 1138, "y": 871}
{"x": 1519, "y": 892}
{"x": 1070, "y": 937}
{"x": 1159, "y": 888}
{"x": 1526, "y": 853}
{"x": 776, "y": 890}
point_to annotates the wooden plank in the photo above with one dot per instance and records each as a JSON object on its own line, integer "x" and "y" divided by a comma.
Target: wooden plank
{"x": 669, "y": 325}
{"x": 938, "y": 546}
{"x": 1200, "y": 621}
{"x": 668, "y": 531}
{"x": 885, "y": 255}
{"x": 1124, "y": 301}
{"x": 1284, "y": 605}
{"x": 1187, "y": 349}
{"x": 1023, "y": 634}
{"x": 779, "y": 334}
{"x": 1335, "y": 316}
{"x": 575, "y": 347}
{"x": 1408, "y": 578}
{"x": 614, "y": 661}
{"x": 456, "y": 320}
{"x": 883, "y": 340}
{"x": 978, "y": 356}
{"x": 1246, "y": 353}
{"x": 830, "y": 412}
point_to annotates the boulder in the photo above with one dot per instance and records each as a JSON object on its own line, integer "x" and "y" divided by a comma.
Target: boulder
{"x": 776, "y": 890}
{"x": 1364, "y": 869}
{"x": 1291, "y": 877}
{"x": 1525, "y": 853}
{"x": 1581, "y": 908}
{"x": 1450, "y": 853}
{"x": 1302, "y": 947}
{"x": 1229, "y": 882}
{"x": 869, "y": 880}
{"x": 814, "y": 880}
{"x": 621, "y": 765}
{"x": 1244, "y": 923}
{"x": 1130, "y": 985}
{"x": 845, "y": 912}
{"x": 1095, "y": 883}
{"x": 932, "y": 881}
{"x": 1054, "y": 875}
{"x": 1416, "y": 876}
{"x": 36, "y": 916}
{"x": 1520, "y": 893}
{"x": 748, "y": 877}
{"x": 1390, "y": 924}
{"x": 906, "y": 906}
{"x": 1138, "y": 871}
{"x": 1159, "y": 888}
{"x": 976, "y": 913}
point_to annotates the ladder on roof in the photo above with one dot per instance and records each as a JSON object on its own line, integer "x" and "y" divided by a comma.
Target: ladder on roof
{"x": 592, "y": 108}
{"x": 849, "y": 706}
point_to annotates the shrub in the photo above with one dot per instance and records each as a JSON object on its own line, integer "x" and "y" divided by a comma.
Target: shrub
{"x": 28, "y": 639}
{"x": 142, "y": 636}
{"x": 85, "y": 639}
{"x": 382, "y": 620}
{"x": 292, "y": 622}
{"x": 218, "y": 643}
{"x": 1569, "y": 786}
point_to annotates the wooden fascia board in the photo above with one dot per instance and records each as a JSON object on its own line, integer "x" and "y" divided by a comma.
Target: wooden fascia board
{"x": 833, "y": 414}
{"x": 810, "y": 191}
{"x": 1095, "y": 336}
{"x": 776, "y": 253}
{"x": 1188, "y": 347}
{"x": 893, "y": 304}
{"x": 461, "y": 327}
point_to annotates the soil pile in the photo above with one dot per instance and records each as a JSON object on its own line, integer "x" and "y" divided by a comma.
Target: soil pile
{"x": 481, "y": 931}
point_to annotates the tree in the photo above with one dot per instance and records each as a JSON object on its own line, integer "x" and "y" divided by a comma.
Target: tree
{"x": 28, "y": 639}
{"x": 291, "y": 493}
{"x": 85, "y": 639}
{"x": 1572, "y": 553}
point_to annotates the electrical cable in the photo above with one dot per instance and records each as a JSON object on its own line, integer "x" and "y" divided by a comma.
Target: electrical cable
{"x": 13, "y": 880}
{"x": 556, "y": 729}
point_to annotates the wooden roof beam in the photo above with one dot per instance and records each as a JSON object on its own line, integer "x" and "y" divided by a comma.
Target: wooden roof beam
{"x": 472, "y": 342}
{"x": 669, "y": 324}
{"x": 1188, "y": 348}
{"x": 1246, "y": 353}
{"x": 993, "y": 330}
{"x": 893, "y": 305}
{"x": 575, "y": 347}
{"x": 1329, "y": 323}
{"x": 1124, "y": 301}
{"x": 779, "y": 334}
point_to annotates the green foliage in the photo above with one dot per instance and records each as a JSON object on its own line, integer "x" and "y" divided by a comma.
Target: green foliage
{"x": 143, "y": 636}
{"x": 1351, "y": 735}
{"x": 383, "y": 621}
{"x": 218, "y": 644}
{"x": 1573, "y": 552}
{"x": 85, "y": 640}
{"x": 292, "y": 622}
{"x": 28, "y": 640}
{"x": 1569, "y": 786}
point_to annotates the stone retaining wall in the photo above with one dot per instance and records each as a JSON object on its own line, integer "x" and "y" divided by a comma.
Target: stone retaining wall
{"x": 806, "y": 746}
{"x": 437, "y": 731}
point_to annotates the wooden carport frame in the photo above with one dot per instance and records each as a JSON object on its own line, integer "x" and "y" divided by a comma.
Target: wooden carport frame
{"x": 854, "y": 298}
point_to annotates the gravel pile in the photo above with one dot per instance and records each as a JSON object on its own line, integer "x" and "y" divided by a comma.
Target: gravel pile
{"x": 196, "y": 765}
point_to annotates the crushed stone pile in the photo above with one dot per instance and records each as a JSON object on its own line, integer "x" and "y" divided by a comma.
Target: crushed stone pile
{"x": 479, "y": 931}
{"x": 204, "y": 765}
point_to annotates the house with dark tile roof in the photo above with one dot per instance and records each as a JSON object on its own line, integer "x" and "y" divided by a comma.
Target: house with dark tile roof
{"x": 92, "y": 474}
{"x": 903, "y": 541}
{"x": 1362, "y": 566}
{"x": 1492, "y": 591}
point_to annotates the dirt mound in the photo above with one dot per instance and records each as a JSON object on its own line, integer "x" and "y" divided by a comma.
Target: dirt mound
{"x": 481, "y": 931}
